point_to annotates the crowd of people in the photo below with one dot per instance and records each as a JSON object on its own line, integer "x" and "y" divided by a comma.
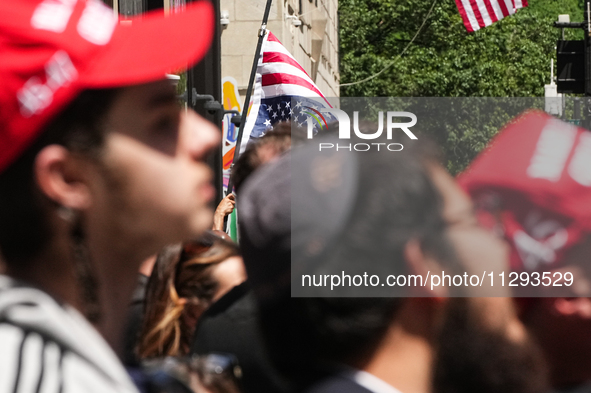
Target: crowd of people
{"x": 117, "y": 275}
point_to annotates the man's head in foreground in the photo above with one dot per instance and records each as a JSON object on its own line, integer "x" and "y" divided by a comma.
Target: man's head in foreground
{"x": 99, "y": 166}
{"x": 380, "y": 213}
{"x": 538, "y": 199}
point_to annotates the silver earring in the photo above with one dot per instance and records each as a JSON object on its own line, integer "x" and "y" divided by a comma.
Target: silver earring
{"x": 66, "y": 213}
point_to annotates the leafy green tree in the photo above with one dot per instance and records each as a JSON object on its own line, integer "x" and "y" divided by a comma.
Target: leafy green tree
{"x": 510, "y": 58}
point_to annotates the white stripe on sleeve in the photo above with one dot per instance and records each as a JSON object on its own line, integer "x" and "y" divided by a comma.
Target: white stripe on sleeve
{"x": 11, "y": 338}
{"x": 51, "y": 369}
{"x": 80, "y": 376}
{"x": 32, "y": 357}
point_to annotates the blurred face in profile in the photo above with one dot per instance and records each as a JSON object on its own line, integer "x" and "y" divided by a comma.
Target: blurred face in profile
{"x": 228, "y": 274}
{"x": 154, "y": 187}
{"x": 482, "y": 346}
{"x": 205, "y": 278}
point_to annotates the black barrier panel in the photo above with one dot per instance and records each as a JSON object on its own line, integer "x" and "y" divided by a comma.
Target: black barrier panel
{"x": 570, "y": 67}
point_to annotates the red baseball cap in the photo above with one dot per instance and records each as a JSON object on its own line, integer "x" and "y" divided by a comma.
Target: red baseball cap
{"x": 54, "y": 49}
{"x": 533, "y": 185}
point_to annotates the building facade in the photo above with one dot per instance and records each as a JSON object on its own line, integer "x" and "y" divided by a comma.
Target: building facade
{"x": 307, "y": 28}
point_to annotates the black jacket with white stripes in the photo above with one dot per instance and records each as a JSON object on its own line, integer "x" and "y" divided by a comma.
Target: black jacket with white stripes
{"x": 48, "y": 347}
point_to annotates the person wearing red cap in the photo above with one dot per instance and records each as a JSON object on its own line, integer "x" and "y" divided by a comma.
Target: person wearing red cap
{"x": 99, "y": 168}
{"x": 533, "y": 187}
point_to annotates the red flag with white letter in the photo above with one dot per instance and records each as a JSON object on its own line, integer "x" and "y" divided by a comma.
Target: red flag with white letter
{"x": 533, "y": 185}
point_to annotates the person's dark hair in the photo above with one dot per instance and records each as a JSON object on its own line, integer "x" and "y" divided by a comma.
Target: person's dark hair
{"x": 342, "y": 329}
{"x": 182, "y": 276}
{"x": 396, "y": 202}
{"x": 275, "y": 142}
{"x": 24, "y": 230}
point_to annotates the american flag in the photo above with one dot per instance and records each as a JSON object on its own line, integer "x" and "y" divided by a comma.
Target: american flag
{"x": 477, "y": 14}
{"x": 279, "y": 80}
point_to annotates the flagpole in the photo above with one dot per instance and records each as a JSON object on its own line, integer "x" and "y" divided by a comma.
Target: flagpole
{"x": 253, "y": 71}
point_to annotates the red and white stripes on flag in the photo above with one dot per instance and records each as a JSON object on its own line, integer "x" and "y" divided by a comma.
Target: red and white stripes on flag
{"x": 477, "y": 14}
{"x": 282, "y": 74}
{"x": 279, "y": 78}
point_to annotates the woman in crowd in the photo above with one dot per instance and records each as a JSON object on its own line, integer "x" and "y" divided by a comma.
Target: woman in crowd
{"x": 185, "y": 281}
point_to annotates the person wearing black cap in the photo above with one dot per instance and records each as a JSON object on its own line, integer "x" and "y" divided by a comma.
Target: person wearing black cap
{"x": 382, "y": 213}
{"x": 99, "y": 168}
